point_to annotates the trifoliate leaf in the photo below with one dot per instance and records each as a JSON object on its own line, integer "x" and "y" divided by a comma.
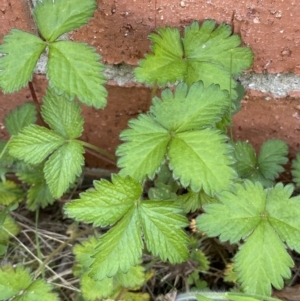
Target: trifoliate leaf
{"x": 205, "y": 53}
{"x": 145, "y": 148}
{"x": 192, "y": 201}
{"x": 296, "y": 170}
{"x": 62, "y": 115}
{"x": 162, "y": 223}
{"x": 266, "y": 167}
{"x": 63, "y": 166}
{"x": 34, "y": 144}
{"x": 21, "y": 51}
{"x": 265, "y": 219}
{"x": 20, "y": 117}
{"x": 107, "y": 203}
{"x": 19, "y": 284}
{"x": 55, "y": 18}
{"x": 208, "y": 164}
{"x": 8, "y": 228}
{"x": 74, "y": 70}
{"x": 169, "y": 131}
{"x": 10, "y": 193}
{"x": 192, "y": 108}
{"x": 263, "y": 261}
{"x": 13, "y": 281}
{"x": 120, "y": 248}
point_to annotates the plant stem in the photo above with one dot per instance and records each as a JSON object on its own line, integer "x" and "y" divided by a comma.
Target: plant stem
{"x": 60, "y": 248}
{"x": 101, "y": 151}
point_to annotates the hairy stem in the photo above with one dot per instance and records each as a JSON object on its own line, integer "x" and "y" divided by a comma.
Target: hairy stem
{"x": 111, "y": 157}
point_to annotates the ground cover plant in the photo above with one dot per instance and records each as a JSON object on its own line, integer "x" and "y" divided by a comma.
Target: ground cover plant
{"x": 183, "y": 179}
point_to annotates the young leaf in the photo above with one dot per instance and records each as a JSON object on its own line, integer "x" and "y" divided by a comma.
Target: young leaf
{"x": 145, "y": 148}
{"x": 267, "y": 166}
{"x": 162, "y": 225}
{"x": 62, "y": 115}
{"x": 107, "y": 203}
{"x": 79, "y": 64}
{"x": 10, "y": 193}
{"x": 265, "y": 219}
{"x": 55, "y": 18}
{"x": 205, "y": 53}
{"x": 21, "y": 51}
{"x": 18, "y": 282}
{"x": 34, "y": 144}
{"x": 9, "y": 225}
{"x": 120, "y": 248}
{"x": 20, "y": 117}
{"x": 63, "y": 166}
{"x": 296, "y": 170}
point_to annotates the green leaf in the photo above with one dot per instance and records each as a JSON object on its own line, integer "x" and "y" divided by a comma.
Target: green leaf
{"x": 205, "y": 53}
{"x": 296, "y": 170}
{"x": 11, "y": 226}
{"x": 145, "y": 148}
{"x": 162, "y": 223}
{"x": 34, "y": 144}
{"x": 170, "y": 131}
{"x": 10, "y": 193}
{"x": 268, "y": 165}
{"x": 63, "y": 166}
{"x": 208, "y": 164}
{"x": 119, "y": 248}
{"x": 79, "y": 64}
{"x": 20, "y": 117}
{"x": 61, "y": 16}
{"x": 19, "y": 284}
{"x": 39, "y": 195}
{"x": 192, "y": 201}
{"x": 62, "y": 115}
{"x": 21, "y": 51}
{"x": 265, "y": 219}
{"x": 13, "y": 281}
{"x": 107, "y": 203}
{"x": 272, "y": 155}
{"x": 262, "y": 261}
{"x": 192, "y": 108}
{"x": 135, "y": 277}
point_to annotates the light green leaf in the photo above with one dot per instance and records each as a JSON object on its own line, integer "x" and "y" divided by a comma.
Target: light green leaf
{"x": 10, "y": 193}
{"x": 79, "y": 64}
{"x": 135, "y": 277}
{"x": 13, "y": 281}
{"x": 21, "y": 51}
{"x": 265, "y": 219}
{"x": 262, "y": 261}
{"x": 62, "y": 115}
{"x": 107, "y": 203}
{"x": 208, "y": 164}
{"x": 296, "y": 170}
{"x": 165, "y": 64}
{"x": 192, "y": 201}
{"x": 145, "y": 148}
{"x": 63, "y": 166}
{"x": 20, "y": 117}
{"x": 189, "y": 109}
{"x": 162, "y": 223}
{"x": 272, "y": 155}
{"x": 119, "y": 249}
{"x": 55, "y": 18}
{"x": 34, "y": 144}
{"x": 11, "y": 226}
{"x": 207, "y": 53}
{"x": 39, "y": 288}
